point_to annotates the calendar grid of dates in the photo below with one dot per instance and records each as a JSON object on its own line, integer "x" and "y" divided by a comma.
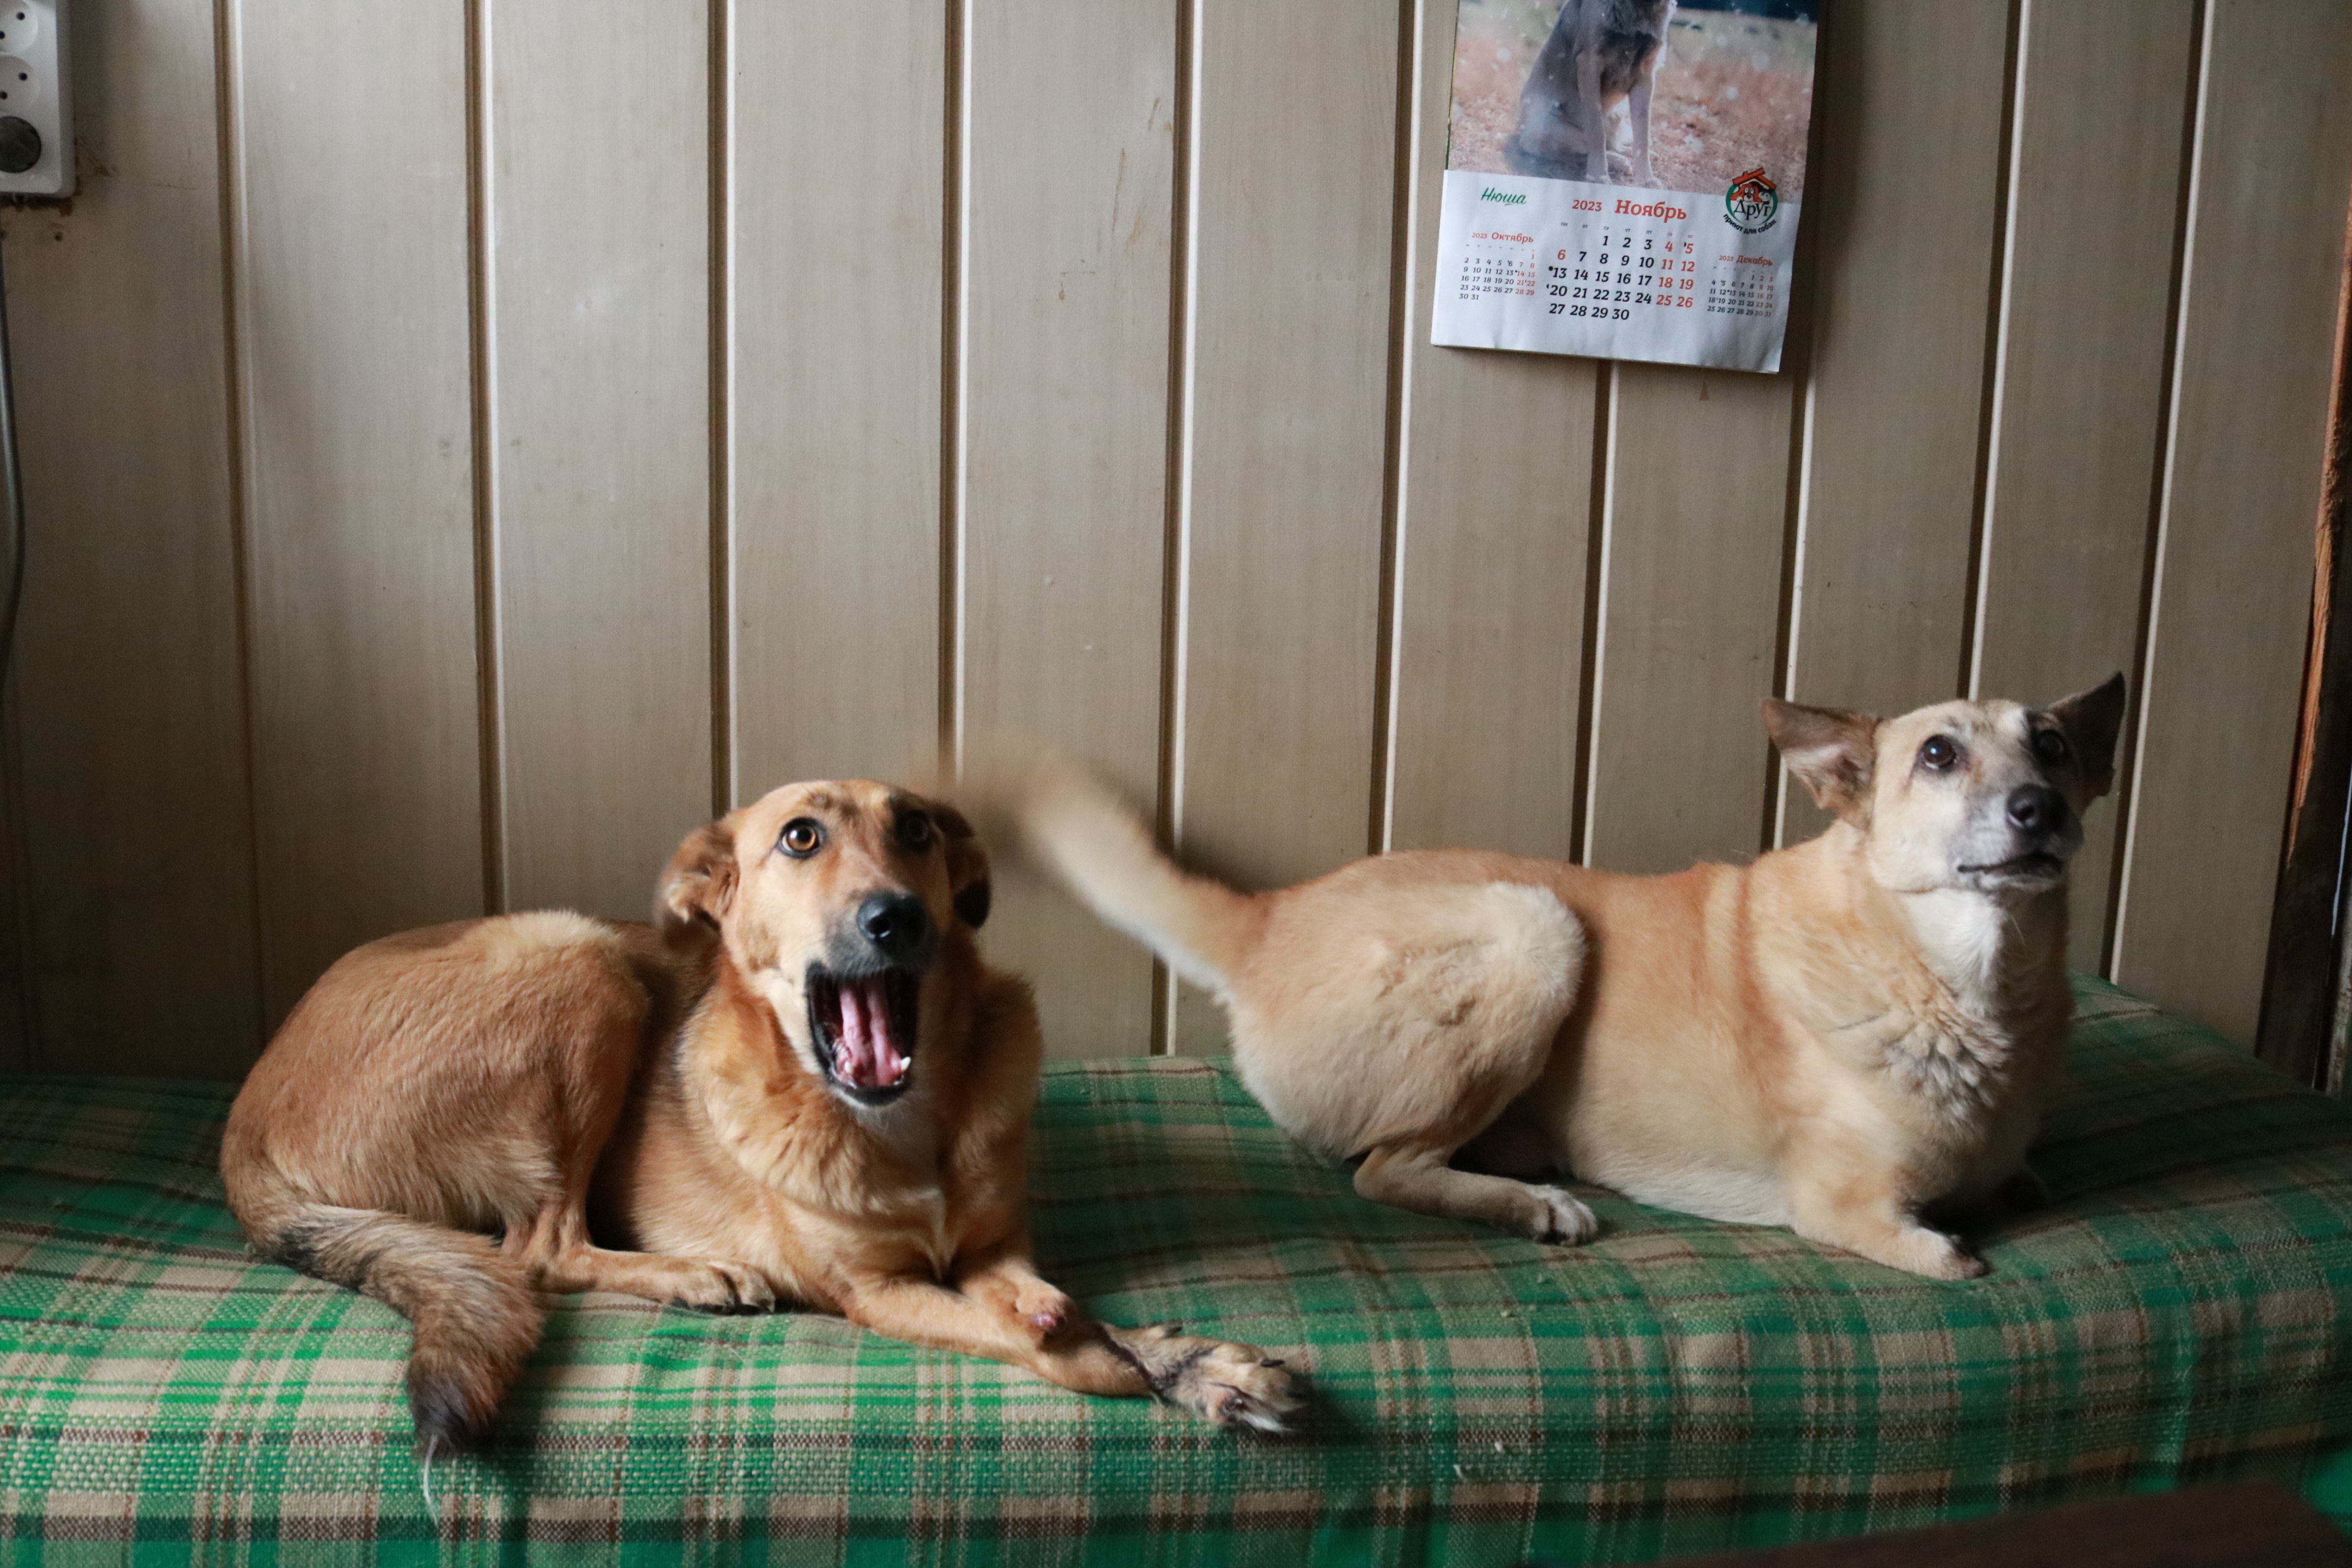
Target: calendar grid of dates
{"x": 1507, "y": 272}
{"x": 1607, "y": 273}
{"x": 1565, "y": 267}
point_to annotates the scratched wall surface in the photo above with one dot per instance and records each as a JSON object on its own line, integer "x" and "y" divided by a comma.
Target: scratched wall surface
{"x": 466, "y": 447}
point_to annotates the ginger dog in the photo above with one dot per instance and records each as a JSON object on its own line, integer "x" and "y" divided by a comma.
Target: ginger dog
{"x": 1831, "y": 1040}
{"x": 802, "y": 1087}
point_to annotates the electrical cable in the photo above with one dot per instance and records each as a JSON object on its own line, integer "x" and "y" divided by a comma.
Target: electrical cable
{"x": 12, "y": 489}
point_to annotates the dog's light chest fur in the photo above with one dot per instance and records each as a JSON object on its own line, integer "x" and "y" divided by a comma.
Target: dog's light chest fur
{"x": 1887, "y": 1023}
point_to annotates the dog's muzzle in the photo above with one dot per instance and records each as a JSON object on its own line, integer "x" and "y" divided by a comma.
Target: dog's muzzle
{"x": 865, "y": 1010}
{"x": 2038, "y": 818}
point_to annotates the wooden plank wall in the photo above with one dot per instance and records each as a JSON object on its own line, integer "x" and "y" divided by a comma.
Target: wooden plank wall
{"x": 464, "y": 449}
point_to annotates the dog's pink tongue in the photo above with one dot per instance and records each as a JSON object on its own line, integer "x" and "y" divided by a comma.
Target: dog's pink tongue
{"x": 868, "y": 1057}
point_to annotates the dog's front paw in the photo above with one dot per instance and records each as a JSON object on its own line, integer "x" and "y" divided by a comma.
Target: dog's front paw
{"x": 715, "y": 1285}
{"x": 1560, "y": 1216}
{"x": 1935, "y": 1255}
{"x": 1044, "y": 1310}
{"x": 1231, "y": 1385}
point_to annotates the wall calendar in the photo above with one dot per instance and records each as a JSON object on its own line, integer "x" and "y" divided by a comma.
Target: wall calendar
{"x": 1622, "y": 178}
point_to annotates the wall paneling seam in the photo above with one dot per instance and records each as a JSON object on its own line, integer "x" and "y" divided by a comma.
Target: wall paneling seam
{"x": 719, "y": 176}
{"x": 1389, "y": 588}
{"x": 2135, "y": 732}
{"x": 1587, "y": 692}
{"x": 2000, "y": 292}
{"x": 955, "y": 341}
{"x": 1794, "y": 539}
{"x": 231, "y": 119}
{"x": 1799, "y": 497}
{"x": 1175, "y": 489}
{"x": 1596, "y": 603}
{"x": 240, "y": 542}
{"x": 489, "y": 662}
{"x": 1177, "y": 591}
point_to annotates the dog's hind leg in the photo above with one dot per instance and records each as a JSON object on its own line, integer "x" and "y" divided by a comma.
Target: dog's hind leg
{"x": 555, "y": 1249}
{"x": 1405, "y": 1025}
{"x": 1860, "y": 1211}
{"x": 1419, "y": 1179}
{"x": 552, "y": 1241}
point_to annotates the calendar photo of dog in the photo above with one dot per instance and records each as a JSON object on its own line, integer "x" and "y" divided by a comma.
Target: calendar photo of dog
{"x": 1684, "y": 96}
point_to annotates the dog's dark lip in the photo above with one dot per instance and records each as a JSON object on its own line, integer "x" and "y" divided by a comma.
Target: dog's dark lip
{"x": 2035, "y": 863}
{"x": 822, "y": 988}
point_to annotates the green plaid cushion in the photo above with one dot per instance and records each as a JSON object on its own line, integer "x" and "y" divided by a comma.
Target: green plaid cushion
{"x": 2180, "y": 1314}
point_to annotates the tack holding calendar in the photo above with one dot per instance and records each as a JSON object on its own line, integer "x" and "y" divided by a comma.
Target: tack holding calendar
{"x": 1623, "y": 178}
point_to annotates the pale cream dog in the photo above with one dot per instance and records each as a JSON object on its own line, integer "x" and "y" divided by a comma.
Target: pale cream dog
{"x": 1830, "y": 1038}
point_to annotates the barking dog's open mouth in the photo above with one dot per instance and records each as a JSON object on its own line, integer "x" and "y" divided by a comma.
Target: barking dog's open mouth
{"x": 863, "y": 1025}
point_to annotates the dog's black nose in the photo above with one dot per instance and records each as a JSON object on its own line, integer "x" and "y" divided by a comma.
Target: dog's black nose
{"x": 2037, "y": 808}
{"x": 896, "y": 923}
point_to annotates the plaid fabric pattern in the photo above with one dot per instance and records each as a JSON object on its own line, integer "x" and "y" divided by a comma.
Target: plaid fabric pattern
{"x": 2182, "y": 1313}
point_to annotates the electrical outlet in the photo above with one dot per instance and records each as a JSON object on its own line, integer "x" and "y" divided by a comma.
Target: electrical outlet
{"x": 37, "y": 152}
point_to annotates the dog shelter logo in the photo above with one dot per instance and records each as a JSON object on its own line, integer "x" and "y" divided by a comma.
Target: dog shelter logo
{"x": 1752, "y": 205}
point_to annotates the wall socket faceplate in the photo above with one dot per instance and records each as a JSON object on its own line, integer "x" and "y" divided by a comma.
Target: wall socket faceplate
{"x": 36, "y": 92}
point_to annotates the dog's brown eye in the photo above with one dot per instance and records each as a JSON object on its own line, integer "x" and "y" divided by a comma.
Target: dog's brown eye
{"x": 915, "y": 831}
{"x": 2050, "y": 746}
{"x": 1939, "y": 753}
{"x": 801, "y": 838}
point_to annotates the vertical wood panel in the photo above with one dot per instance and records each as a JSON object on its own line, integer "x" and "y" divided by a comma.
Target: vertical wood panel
{"x": 1065, "y": 379}
{"x": 1697, "y": 498}
{"x": 2227, "y": 638}
{"x": 599, "y": 444}
{"x": 835, "y": 207}
{"x": 130, "y": 702}
{"x": 1905, "y": 195}
{"x": 2102, "y": 97}
{"x": 19, "y": 1030}
{"x": 352, "y": 307}
{"x": 1490, "y": 560}
{"x": 1295, "y": 165}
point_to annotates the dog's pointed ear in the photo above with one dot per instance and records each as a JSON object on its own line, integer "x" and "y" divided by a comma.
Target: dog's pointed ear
{"x": 967, "y": 865}
{"x": 2091, "y": 720}
{"x": 1833, "y": 751}
{"x": 699, "y": 884}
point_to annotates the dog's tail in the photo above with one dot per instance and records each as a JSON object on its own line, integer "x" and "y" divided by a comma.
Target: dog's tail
{"x": 477, "y": 1316}
{"x": 1072, "y": 823}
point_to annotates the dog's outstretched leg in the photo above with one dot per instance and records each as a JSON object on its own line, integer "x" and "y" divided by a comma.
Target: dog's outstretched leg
{"x": 1419, "y": 1179}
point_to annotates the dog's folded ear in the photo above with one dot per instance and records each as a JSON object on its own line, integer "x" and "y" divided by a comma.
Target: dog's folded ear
{"x": 2091, "y": 720}
{"x": 967, "y": 865}
{"x": 1833, "y": 751}
{"x": 700, "y": 883}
